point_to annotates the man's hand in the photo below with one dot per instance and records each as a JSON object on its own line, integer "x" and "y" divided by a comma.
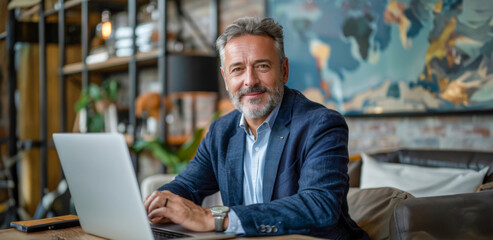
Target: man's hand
{"x": 163, "y": 205}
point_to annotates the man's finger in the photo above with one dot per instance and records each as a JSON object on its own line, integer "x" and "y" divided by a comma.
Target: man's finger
{"x": 157, "y": 203}
{"x": 159, "y": 214}
{"x": 149, "y": 200}
{"x": 154, "y": 199}
{"x": 147, "y": 197}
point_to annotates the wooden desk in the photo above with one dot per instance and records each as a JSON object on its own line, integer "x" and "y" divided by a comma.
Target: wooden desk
{"x": 67, "y": 233}
{"x": 77, "y": 233}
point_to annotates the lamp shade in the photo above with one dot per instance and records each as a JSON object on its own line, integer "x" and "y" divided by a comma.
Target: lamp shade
{"x": 192, "y": 73}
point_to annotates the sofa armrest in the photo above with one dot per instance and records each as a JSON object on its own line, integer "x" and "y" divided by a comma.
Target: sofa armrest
{"x": 486, "y": 186}
{"x": 354, "y": 173}
{"x": 461, "y": 216}
{"x": 372, "y": 208}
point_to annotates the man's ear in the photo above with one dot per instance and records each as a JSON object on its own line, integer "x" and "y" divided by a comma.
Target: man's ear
{"x": 285, "y": 70}
{"x": 224, "y": 79}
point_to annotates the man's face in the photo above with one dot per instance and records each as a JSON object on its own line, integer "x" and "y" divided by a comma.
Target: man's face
{"x": 252, "y": 75}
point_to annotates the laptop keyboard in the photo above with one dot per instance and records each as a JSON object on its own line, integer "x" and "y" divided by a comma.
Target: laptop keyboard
{"x": 165, "y": 234}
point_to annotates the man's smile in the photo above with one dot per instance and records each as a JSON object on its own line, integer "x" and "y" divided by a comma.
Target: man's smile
{"x": 253, "y": 95}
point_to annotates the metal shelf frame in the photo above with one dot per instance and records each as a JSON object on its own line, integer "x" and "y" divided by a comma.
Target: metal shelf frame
{"x": 12, "y": 142}
{"x": 157, "y": 57}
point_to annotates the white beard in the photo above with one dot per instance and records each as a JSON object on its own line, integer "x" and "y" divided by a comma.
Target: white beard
{"x": 275, "y": 97}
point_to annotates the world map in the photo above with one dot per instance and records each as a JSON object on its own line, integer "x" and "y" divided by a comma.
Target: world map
{"x": 377, "y": 56}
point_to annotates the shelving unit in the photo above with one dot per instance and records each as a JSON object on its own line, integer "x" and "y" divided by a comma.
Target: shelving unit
{"x": 131, "y": 64}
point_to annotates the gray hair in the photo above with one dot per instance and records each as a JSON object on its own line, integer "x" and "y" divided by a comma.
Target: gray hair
{"x": 252, "y": 26}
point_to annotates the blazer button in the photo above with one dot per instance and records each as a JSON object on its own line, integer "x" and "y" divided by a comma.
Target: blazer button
{"x": 268, "y": 229}
{"x": 274, "y": 229}
{"x": 262, "y": 228}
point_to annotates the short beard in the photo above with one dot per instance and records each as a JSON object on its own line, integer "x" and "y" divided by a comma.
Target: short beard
{"x": 275, "y": 97}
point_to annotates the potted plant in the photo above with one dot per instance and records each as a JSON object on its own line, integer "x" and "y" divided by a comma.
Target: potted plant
{"x": 174, "y": 159}
{"x": 95, "y": 100}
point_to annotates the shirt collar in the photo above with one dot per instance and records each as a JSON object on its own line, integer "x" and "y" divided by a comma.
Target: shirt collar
{"x": 269, "y": 120}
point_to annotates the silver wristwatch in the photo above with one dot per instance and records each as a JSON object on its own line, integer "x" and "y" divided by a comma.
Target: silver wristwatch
{"x": 219, "y": 213}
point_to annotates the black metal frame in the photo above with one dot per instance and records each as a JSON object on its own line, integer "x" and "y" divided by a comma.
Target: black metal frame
{"x": 43, "y": 98}
{"x": 61, "y": 63}
{"x": 162, "y": 64}
{"x": 85, "y": 42}
{"x": 12, "y": 143}
{"x": 133, "y": 75}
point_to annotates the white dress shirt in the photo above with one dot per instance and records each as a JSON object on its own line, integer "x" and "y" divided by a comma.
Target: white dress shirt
{"x": 253, "y": 166}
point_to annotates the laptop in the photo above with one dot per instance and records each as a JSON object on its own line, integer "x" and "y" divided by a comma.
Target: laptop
{"x": 101, "y": 179}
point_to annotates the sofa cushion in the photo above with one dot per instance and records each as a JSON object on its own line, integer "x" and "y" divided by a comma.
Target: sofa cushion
{"x": 419, "y": 181}
{"x": 449, "y": 158}
{"x": 372, "y": 208}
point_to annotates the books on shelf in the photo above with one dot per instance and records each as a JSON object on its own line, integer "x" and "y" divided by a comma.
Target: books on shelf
{"x": 97, "y": 55}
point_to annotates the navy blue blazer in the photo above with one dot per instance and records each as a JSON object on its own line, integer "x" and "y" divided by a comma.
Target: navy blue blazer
{"x": 305, "y": 177}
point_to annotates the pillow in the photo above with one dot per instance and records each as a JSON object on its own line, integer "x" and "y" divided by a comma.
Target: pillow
{"x": 372, "y": 208}
{"x": 419, "y": 181}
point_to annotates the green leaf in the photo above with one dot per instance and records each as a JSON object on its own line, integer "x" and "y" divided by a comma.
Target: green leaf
{"x": 95, "y": 123}
{"x": 158, "y": 150}
{"x": 113, "y": 90}
{"x": 140, "y": 145}
{"x": 175, "y": 161}
{"x": 215, "y": 116}
{"x": 188, "y": 149}
{"x": 94, "y": 92}
{"x": 109, "y": 89}
{"x": 83, "y": 101}
{"x": 168, "y": 158}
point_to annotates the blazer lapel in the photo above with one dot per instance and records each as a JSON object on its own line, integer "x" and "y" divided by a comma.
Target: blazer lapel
{"x": 234, "y": 166}
{"x": 277, "y": 140}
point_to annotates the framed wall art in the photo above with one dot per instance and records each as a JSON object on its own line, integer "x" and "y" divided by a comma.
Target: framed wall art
{"x": 390, "y": 57}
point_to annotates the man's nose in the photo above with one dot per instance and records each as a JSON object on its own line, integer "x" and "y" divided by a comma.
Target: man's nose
{"x": 251, "y": 78}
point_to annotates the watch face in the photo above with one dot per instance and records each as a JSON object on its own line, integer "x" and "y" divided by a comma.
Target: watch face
{"x": 219, "y": 210}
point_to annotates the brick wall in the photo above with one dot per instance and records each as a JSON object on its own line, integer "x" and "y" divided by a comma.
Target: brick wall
{"x": 439, "y": 132}
{"x": 233, "y": 9}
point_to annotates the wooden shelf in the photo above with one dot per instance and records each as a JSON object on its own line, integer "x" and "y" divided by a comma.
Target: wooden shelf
{"x": 66, "y": 5}
{"x": 72, "y": 3}
{"x": 112, "y": 64}
{"x": 121, "y": 63}
{"x": 33, "y": 11}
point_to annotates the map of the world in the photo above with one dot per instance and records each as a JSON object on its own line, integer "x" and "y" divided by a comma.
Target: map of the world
{"x": 388, "y": 56}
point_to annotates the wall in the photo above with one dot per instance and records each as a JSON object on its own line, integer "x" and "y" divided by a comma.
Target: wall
{"x": 474, "y": 132}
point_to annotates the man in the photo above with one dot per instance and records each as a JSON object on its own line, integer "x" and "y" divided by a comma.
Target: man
{"x": 279, "y": 160}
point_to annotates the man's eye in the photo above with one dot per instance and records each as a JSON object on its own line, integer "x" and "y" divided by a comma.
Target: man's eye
{"x": 236, "y": 70}
{"x": 263, "y": 67}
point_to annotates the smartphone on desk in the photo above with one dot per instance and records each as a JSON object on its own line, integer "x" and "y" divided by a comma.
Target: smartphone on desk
{"x": 46, "y": 223}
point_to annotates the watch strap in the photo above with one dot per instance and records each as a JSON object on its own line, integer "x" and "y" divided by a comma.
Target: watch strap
{"x": 219, "y": 223}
